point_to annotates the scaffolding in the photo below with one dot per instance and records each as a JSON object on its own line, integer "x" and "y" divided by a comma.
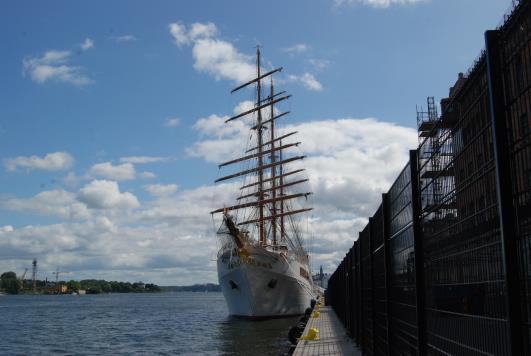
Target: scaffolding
{"x": 435, "y": 160}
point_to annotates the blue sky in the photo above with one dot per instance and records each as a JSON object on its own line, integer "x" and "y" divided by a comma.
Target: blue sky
{"x": 108, "y": 118}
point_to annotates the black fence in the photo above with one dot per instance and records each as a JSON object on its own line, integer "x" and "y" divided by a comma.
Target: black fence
{"x": 444, "y": 265}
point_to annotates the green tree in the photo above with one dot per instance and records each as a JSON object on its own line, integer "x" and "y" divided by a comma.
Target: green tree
{"x": 106, "y": 287}
{"x": 10, "y": 282}
{"x": 73, "y": 285}
{"x": 94, "y": 289}
{"x": 152, "y": 287}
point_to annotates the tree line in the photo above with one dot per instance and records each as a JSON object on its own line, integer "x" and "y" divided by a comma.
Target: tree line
{"x": 96, "y": 286}
{"x": 10, "y": 284}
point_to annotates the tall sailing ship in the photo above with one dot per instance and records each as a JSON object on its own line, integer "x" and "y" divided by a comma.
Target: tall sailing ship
{"x": 263, "y": 268}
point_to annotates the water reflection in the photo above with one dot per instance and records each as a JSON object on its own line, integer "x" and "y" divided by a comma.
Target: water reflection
{"x": 246, "y": 337}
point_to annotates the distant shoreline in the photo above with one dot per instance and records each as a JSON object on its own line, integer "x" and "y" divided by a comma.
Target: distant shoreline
{"x": 100, "y": 294}
{"x": 11, "y": 284}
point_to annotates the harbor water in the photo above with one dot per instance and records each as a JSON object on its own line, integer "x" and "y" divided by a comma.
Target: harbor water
{"x": 159, "y": 323}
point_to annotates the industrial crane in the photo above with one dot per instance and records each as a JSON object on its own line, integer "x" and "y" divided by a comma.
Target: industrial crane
{"x": 59, "y": 288}
{"x": 22, "y": 279}
{"x": 57, "y": 272}
{"x": 34, "y": 275}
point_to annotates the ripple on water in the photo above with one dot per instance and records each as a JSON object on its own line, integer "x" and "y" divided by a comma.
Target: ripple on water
{"x": 129, "y": 324}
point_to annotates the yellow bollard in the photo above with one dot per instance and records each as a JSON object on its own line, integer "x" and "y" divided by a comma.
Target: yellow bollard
{"x": 316, "y": 314}
{"x": 313, "y": 334}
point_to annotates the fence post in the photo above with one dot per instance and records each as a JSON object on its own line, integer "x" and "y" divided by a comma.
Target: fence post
{"x": 419, "y": 255}
{"x": 387, "y": 259}
{"x": 493, "y": 43}
{"x": 359, "y": 287}
{"x": 371, "y": 262}
{"x": 353, "y": 313}
{"x": 348, "y": 272}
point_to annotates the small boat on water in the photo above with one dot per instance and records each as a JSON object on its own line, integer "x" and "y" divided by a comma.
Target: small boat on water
{"x": 263, "y": 267}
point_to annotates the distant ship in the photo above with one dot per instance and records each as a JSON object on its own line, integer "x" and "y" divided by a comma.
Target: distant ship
{"x": 263, "y": 267}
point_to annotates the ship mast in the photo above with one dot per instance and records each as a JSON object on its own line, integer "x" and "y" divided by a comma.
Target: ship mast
{"x": 260, "y": 148}
{"x": 266, "y": 193}
{"x": 273, "y": 169}
{"x": 281, "y": 182}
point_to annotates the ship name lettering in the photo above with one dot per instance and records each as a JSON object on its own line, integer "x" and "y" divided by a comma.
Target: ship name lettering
{"x": 249, "y": 261}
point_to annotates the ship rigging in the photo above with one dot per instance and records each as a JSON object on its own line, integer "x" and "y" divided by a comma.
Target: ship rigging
{"x": 267, "y": 195}
{"x": 263, "y": 268}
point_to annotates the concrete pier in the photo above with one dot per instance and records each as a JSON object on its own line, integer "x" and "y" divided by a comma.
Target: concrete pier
{"x": 333, "y": 338}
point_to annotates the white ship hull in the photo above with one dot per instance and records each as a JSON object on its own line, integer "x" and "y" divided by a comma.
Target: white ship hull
{"x": 264, "y": 284}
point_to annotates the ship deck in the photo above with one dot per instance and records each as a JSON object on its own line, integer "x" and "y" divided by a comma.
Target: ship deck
{"x": 333, "y": 338}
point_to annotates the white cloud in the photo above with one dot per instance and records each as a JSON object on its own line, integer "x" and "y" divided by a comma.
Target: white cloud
{"x": 350, "y": 163}
{"x": 98, "y": 194}
{"x": 53, "y": 56}
{"x": 197, "y": 31}
{"x": 297, "y": 48}
{"x": 226, "y": 140}
{"x": 54, "y": 66}
{"x": 161, "y": 190}
{"x": 55, "y": 202}
{"x": 125, "y": 171}
{"x": 142, "y": 159}
{"x": 243, "y": 106}
{"x": 105, "y": 194}
{"x": 87, "y": 44}
{"x": 104, "y": 249}
{"x": 147, "y": 175}
{"x": 222, "y": 60}
{"x": 215, "y": 151}
{"x": 212, "y": 55}
{"x": 121, "y": 239}
{"x": 378, "y": 3}
{"x": 215, "y": 125}
{"x": 6, "y": 228}
{"x": 124, "y": 38}
{"x": 192, "y": 205}
{"x": 200, "y": 30}
{"x": 109, "y": 246}
{"x": 71, "y": 179}
{"x": 35, "y": 240}
{"x": 319, "y": 64}
{"x": 178, "y": 32}
{"x": 172, "y": 122}
{"x": 308, "y": 80}
{"x": 51, "y": 162}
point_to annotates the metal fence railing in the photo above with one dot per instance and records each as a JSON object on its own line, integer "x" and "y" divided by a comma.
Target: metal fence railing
{"x": 444, "y": 266}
